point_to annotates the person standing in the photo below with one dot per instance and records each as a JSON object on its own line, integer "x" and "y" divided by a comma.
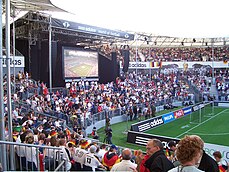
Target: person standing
{"x": 153, "y": 110}
{"x": 188, "y": 153}
{"x": 171, "y": 153}
{"x": 222, "y": 163}
{"x": 125, "y": 164}
{"x": 207, "y": 163}
{"x": 135, "y": 111}
{"x": 108, "y": 135}
{"x": 91, "y": 161}
{"x": 111, "y": 157}
{"x": 157, "y": 162}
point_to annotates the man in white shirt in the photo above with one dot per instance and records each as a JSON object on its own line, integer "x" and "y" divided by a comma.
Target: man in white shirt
{"x": 91, "y": 160}
{"x": 101, "y": 152}
{"x": 125, "y": 164}
{"x": 79, "y": 156}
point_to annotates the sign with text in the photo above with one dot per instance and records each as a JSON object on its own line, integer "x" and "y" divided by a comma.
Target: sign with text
{"x": 17, "y": 61}
{"x": 168, "y": 117}
{"x": 70, "y": 25}
{"x": 178, "y": 114}
{"x": 147, "y": 124}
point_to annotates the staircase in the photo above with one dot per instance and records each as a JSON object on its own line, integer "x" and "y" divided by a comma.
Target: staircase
{"x": 214, "y": 92}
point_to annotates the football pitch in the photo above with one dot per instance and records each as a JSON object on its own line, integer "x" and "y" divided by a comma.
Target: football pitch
{"x": 81, "y": 70}
{"x": 212, "y": 129}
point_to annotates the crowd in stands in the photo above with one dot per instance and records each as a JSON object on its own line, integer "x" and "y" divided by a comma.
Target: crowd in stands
{"x": 203, "y": 82}
{"x": 78, "y": 104}
{"x": 222, "y": 83}
{"x": 145, "y": 54}
{"x": 84, "y": 99}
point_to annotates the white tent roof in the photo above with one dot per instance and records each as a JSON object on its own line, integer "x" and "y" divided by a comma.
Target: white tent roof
{"x": 21, "y": 7}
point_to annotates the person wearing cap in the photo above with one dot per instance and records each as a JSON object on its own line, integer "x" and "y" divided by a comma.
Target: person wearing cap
{"x": 125, "y": 164}
{"x": 110, "y": 157}
{"x": 91, "y": 161}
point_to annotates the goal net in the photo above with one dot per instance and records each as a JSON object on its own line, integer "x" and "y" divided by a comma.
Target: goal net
{"x": 201, "y": 112}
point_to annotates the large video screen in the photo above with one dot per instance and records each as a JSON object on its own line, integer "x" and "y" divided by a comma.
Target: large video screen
{"x": 80, "y": 63}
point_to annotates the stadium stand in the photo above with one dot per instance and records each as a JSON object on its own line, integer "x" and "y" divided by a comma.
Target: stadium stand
{"x": 171, "y": 54}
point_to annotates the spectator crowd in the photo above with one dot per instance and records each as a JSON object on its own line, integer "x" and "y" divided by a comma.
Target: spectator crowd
{"x": 166, "y": 54}
{"x": 39, "y": 116}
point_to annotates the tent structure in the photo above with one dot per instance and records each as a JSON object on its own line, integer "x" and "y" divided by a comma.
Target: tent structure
{"x": 11, "y": 11}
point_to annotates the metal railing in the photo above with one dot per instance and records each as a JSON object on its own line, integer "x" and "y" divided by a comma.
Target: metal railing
{"x": 28, "y": 157}
{"x": 26, "y": 109}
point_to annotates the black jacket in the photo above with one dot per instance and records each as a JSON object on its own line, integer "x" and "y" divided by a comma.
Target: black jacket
{"x": 158, "y": 162}
{"x": 208, "y": 164}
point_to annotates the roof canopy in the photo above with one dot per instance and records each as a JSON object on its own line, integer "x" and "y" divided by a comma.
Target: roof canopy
{"x": 33, "y": 5}
{"x": 21, "y": 7}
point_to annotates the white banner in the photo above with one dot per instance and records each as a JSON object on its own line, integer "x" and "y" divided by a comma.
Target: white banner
{"x": 211, "y": 148}
{"x": 18, "y": 61}
{"x": 223, "y": 104}
{"x": 180, "y": 65}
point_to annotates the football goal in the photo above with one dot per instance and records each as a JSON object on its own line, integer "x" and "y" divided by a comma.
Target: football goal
{"x": 201, "y": 111}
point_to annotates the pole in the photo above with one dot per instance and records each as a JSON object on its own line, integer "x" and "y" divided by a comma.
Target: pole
{"x": 50, "y": 54}
{"x": 8, "y": 59}
{"x": 150, "y": 70}
{"x": 136, "y": 39}
{"x": 2, "y": 120}
{"x": 14, "y": 49}
{"x": 213, "y": 77}
{"x": 213, "y": 72}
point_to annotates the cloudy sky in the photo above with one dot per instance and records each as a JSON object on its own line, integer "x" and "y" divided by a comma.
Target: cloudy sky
{"x": 180, "y": 18}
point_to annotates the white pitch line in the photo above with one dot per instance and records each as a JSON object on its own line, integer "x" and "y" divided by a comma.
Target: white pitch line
{"x": 201, "y": 123}
{"x": 213, "y": 134}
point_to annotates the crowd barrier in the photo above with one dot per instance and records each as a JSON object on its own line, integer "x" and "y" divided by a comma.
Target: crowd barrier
{"x": 27, "y": 157}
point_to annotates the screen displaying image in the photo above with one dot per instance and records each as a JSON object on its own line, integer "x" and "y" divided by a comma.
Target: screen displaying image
{"x": 80, "y": 63}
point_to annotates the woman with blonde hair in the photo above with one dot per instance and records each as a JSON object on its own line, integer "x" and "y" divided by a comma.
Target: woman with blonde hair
{"x": 189, "y": 152}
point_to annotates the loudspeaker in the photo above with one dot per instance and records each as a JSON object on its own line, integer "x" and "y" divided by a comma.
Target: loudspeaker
{"x": 126, "y": 56}
{"x": 115, "y": 66}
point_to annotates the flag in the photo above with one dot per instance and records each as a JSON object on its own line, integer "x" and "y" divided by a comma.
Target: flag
{"x": 167, "y": 152}
{"x": 221, "y": 169}
{"x": 160, "y": 64}
{"x": 152, "y": 64}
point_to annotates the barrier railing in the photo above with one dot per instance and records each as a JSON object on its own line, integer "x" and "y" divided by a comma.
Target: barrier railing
{"x": 26, "y": 109}
{"x": 28, "y": 157}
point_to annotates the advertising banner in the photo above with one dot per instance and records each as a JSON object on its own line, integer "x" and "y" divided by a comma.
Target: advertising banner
{"x": 211, "y": 148}
{"x": 179, "y": 113}
{"x": 18, "y": 61}
{"x": 70, "y": 25}
{"x": 187, "y": 110}
{"x": 168, "y": 117}
{"x": 180, "y": 65}
{"x": 147, "y": 124}
{"x": 143, "y": 138}
{"x": 197, "y": 107}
